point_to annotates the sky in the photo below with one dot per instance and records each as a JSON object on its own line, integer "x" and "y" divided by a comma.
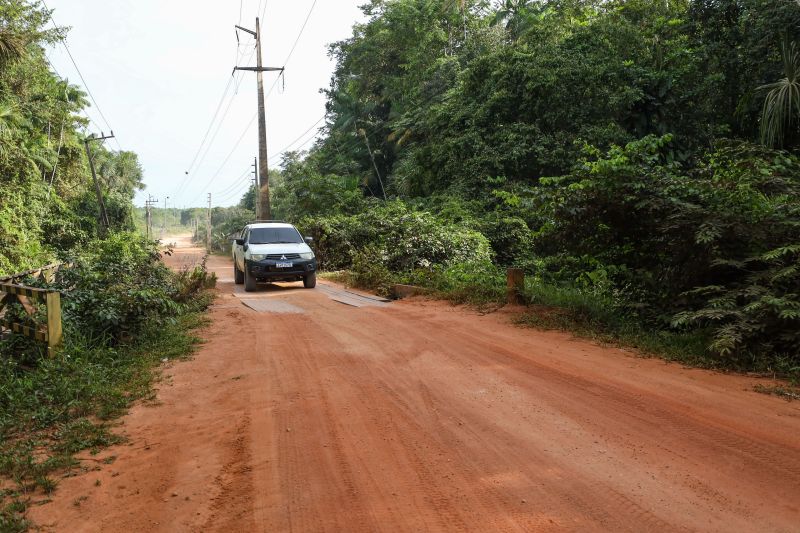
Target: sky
{"x": 158, "y": 70}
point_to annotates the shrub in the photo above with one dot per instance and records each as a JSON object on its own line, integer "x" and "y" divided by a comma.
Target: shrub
{"x": 402, "y": 239}
{"x": 115, "y": 286}
{"x": 716, "y": 248}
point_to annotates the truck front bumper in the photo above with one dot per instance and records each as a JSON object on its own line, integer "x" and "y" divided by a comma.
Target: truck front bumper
{"x": 268, "y": 269}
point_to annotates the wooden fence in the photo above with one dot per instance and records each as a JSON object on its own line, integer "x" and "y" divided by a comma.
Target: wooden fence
{"x": 31, "y": 298}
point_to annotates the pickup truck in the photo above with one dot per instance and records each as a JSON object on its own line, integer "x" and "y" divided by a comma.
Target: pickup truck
{"x": 273, "y": 251}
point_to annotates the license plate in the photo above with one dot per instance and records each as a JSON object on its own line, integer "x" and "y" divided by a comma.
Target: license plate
{"x": 284, "y": 265}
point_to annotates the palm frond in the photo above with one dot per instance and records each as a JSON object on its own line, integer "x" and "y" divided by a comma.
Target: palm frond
{"x": 12, "y": 48}
{"x": 782, "y": 100}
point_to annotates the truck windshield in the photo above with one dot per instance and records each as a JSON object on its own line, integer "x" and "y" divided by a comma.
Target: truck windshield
{"x": 275, "y": 236}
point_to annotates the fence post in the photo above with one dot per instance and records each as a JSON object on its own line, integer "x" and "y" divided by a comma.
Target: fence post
{"x": 55, "y": 333}
{"x": 516, "y": 286}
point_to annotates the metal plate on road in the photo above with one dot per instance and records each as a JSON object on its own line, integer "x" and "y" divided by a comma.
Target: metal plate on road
{"x": 273, "y": 306}
{"x": 352, "y": 299}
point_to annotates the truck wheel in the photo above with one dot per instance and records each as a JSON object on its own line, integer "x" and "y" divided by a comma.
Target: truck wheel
{"x": 249, "y": 281}
{"x": 238, "y": 275}
{"x": 310, "y": 280}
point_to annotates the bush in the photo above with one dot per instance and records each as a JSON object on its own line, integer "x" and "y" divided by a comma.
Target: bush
{"x": 400, "y": 238}
{"x": 716, "y": 248}
{"x": 474, "y": 283}
{"x": 118, "y": 285}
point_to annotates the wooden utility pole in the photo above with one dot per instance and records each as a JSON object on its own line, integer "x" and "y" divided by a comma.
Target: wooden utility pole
{"x": 257, "y": 187}
{"x": 164, "y": 224}
{"x": 208, "y": 225}
{"x": 150, "y": 202}
{"x": 104, "y": 222}
{"x": 264, "y": 204}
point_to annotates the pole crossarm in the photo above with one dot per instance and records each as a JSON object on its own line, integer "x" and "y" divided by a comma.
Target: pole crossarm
{"x": 251, "y": 32}
{"x": 261, "y": 69}
{"x": 101, "y": 138}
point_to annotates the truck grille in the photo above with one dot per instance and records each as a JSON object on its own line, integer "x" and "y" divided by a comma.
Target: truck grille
{"x": 282, "y": 257}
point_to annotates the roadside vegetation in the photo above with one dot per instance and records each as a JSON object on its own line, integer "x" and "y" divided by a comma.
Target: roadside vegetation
{"x": 124, "y": 312}
{"x": 639, "y": 160}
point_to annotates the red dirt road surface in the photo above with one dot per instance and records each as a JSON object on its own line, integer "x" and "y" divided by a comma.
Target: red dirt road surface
{"x": 316, "y": 415}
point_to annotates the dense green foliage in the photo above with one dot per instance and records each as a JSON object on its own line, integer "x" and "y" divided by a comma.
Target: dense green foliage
{"x": 638, "y": 159}
{"x": 47, "y": 200}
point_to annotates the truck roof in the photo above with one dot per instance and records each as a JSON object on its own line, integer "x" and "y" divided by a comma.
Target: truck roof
{"x": 269, "y": 225}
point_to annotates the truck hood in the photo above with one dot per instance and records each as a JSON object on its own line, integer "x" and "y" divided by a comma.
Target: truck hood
{"x": 299, "y": 248}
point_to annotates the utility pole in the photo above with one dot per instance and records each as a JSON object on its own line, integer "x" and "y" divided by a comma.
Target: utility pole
{"x": 257, "y": 187}
{"x": 150, "y": 202}
{"x": 264, "y": 205}
{"x": 208, "y": 225}
{"x": 104, "y": 222}
{"x": 164, "y": 225}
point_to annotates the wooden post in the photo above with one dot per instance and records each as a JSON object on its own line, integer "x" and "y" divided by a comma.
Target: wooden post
{"x": 55, "y": 333}
{"x": 516, "y": 286}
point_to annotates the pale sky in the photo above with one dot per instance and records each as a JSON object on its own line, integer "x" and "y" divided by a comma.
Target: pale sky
{"x": 158, "y": 68}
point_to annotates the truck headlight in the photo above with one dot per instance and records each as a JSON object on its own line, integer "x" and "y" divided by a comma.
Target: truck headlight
{"x": 307, "y": 255}
{"x": 258, "y": 257}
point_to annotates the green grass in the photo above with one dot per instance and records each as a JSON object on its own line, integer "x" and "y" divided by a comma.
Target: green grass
{"x": 601, "y": 319}
{"x": 52, "y": 409}
{"x": 788, "y": 393}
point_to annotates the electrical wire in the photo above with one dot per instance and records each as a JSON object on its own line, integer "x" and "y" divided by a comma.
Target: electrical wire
{"x": 191, "y": 172}
{"x": 288, "y": 146}
{"x": 64, "y": 80}
{"x": 235, "y": 182}
{"x": 211, "y": 124}
{"x": 225, "y": 162}
{"x": 234, "y": 194}
{"x": 80, "y": 75}
{"x": 294, "y": 46}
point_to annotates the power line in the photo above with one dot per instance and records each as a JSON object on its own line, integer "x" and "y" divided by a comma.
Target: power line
{"x": 299, "y": 35}
{"x": 294, "y": 46}
{"x": 80, "y": 74}
{"x": 264, "y": 11}
{"x": 191, "y": 171}
{"x": 230, "y": 154}
{"x": 236, "y": 192}
{"x": 235, "y": 183}
{"x": 288, "y": 146}
{"x": 211, "y": 124}
{"x": 64, "y": 80}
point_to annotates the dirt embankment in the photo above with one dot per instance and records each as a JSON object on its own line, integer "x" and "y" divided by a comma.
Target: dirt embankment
{"x": 417, "y": 416}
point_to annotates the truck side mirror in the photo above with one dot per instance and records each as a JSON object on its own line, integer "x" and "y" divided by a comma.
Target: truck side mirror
{"x": 239, "y": 242}
{"x": 309, "y": 240}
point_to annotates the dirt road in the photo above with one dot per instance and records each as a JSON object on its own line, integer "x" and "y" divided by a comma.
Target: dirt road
{"x": 317, "y": 415}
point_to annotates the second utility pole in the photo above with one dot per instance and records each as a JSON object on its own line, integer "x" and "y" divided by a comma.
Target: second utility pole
{"x": 263, "y": 194}
{"x": 104, "y": 221}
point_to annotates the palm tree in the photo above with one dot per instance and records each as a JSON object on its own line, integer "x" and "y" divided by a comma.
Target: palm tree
{"x": 12, "y": 48}
{"x": 514, "y": 14}
{"x": 350, "y": 111}
{"x": 782, "y": 102}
